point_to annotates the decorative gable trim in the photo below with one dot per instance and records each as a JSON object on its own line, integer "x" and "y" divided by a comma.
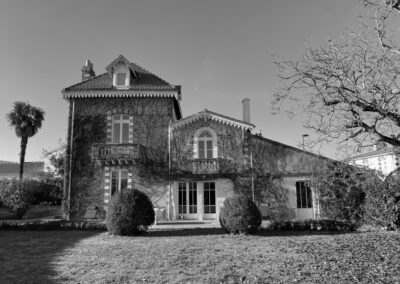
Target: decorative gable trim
{"x": 121, "y": 94}
{"x": 208, "y": 115}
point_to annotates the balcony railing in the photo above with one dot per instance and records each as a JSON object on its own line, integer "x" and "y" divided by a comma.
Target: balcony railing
{"x": 205, "y": 166}
{"x": 117, "y": 153}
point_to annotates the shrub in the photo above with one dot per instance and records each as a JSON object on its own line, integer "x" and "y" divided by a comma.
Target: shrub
{"x": 49, "y": 190}
{"x": 383, "y": 204}
{"x": 16, "y": 194}
{"x": 129, "y": 213}
{"x": 239, "y": 215}
{"x": 342, "y": 189}
{"x": 314, "y": 225}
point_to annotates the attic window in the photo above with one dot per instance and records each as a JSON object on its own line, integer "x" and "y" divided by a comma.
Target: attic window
{"x": 121, "y": 79}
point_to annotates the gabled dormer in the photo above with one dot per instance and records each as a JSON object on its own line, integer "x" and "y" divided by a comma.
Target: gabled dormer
{"x": 122, "y": 73}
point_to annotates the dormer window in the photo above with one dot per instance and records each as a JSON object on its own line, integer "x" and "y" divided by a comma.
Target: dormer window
{"x": 121, "y": 76}
{"x": 121, "y": 79}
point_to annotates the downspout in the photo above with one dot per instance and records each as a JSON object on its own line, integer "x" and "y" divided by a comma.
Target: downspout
{"x": 70, "y": 158}
{"x": 169, "y": 172}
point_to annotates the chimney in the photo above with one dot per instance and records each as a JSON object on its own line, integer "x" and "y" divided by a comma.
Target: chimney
{"x": 87, "y": 70}
{"x": 246, "y": 110}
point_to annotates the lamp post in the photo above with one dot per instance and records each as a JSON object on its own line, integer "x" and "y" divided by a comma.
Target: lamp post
{"x": 304, "y": 135}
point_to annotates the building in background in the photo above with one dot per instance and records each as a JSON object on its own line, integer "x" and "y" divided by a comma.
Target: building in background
{"x": 384, "y": 159}
{"x": 11, "y": 169}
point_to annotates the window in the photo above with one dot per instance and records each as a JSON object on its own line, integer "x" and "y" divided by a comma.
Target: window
{"x": 205, "y": 145}
{"x": 121, "y": 79}
{"x": 120, "y": 129}
{"x": 119, "y": 181}
{"x": 304, "y": 195}
{"x": 209, "y": 198}
{"x": 192, "y": 197}
{"x": 187, "y": 198}
{"x": 182, "y": 198}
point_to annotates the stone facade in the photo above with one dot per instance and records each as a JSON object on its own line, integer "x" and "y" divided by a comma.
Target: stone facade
{"x": 126, "y": 131}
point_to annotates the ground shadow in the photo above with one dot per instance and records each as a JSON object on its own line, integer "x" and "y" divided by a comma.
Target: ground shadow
{"x": 185, "y": 232}
{"x": 29, "y": 256}
{"x": 219, "y": 231}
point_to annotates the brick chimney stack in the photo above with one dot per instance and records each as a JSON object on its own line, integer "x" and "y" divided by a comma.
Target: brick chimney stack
{"x": 246, "y": 110}
{"x": 87, "y": 70}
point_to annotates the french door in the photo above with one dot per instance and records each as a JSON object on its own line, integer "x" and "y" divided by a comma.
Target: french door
{"x": 187, "y": 203}
{"x": 209, "y": 198}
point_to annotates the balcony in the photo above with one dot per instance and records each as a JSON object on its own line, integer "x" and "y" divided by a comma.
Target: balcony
{"x": 206, "y": 166}
{"x": 117, "y": 154}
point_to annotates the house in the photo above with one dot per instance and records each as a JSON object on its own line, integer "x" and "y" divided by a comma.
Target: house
{"x": 10, "y": 170}
{"x": 384, "y": 159}
{"x": 126, "y": 130}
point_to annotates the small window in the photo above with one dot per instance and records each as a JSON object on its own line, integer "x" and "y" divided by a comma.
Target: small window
{"x": 121, "y": 79}
{"x": 304, "y": 194}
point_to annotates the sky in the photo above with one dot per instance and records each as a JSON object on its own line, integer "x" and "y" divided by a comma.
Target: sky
{"x": 219, "y": 51}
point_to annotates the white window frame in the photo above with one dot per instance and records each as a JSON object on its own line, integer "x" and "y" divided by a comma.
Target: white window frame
{"x": 119, "y": 179}
{"x": 123, "y": 119}
{"x": 189, "y": 191}
{"x": 307, "y": 190}
{"x": 118, "y": 69}
{"x": 214, "y": 139}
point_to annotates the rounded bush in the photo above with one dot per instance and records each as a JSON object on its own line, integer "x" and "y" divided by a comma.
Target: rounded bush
{"x": 239, "y": 215}
{"x": 129, "y": 213}
{"x": 16, "y": 194}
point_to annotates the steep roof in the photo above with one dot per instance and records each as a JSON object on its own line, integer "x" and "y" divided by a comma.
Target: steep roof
{"x": 207, "y": 114}
{"x": 143, "y": 84}
{"x": 143, "y": 80}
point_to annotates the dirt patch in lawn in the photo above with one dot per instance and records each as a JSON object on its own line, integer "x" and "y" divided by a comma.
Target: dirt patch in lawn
{"x": 187, "y": 256}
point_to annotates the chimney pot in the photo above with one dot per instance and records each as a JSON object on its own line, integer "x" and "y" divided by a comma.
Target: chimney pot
{"x": 87, "y": 70}
{"x": 246, "y": 110}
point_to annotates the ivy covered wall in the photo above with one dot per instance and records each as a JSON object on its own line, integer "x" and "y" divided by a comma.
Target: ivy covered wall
{"x": 151, "y": 117}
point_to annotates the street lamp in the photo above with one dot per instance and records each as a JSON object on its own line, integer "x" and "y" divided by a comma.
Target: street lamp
{"x": 304, "y": 135}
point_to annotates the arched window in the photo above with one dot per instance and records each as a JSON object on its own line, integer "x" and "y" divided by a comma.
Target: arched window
{"x": 205, "y": 144}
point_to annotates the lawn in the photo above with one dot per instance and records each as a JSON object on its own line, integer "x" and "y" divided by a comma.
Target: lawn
{"x": 198, "y": 256}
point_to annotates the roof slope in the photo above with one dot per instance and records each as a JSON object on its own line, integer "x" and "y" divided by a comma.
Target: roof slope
{"x": 143, "y": 80}
{"x": 207, "y": 114}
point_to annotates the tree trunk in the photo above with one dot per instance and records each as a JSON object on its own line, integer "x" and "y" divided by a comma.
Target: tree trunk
{"x": 24, "y": 142}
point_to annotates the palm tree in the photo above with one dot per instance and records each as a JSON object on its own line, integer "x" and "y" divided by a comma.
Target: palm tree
{"x": 26, "y": 120}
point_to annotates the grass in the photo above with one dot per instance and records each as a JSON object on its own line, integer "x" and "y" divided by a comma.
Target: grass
{"x": 198, "y": 256}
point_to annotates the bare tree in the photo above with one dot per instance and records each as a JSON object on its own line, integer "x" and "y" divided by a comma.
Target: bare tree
{"x": 349, "y": 87}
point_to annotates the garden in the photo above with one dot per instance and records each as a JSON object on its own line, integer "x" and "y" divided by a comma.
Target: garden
{"x": 198, "y": 256}
{"x": 355, "y": 241}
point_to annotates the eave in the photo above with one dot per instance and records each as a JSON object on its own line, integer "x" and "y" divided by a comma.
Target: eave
{"x": 121, "y": 94}
{"x": 207, "y": 115}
